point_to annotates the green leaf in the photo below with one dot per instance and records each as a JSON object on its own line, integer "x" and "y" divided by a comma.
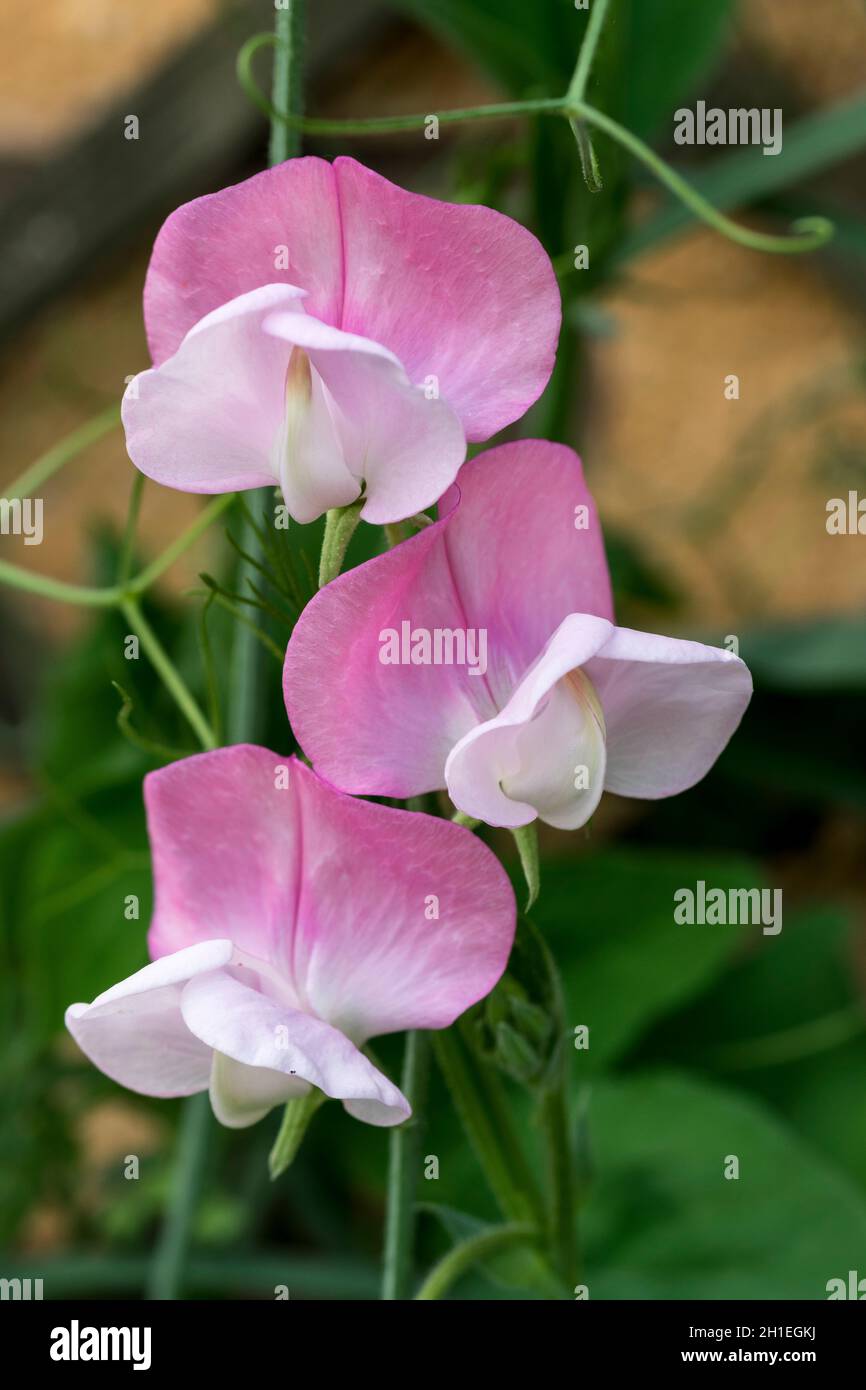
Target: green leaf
{"x": 671, "y": 45}
{"x": 526, "y": 840}
{"x": 809, "y": 656}
{"x": 789, "y": 1022}
{"x": 663, "y": 1222}
{"x": 518, "y": 43}
{"x": 293, "y": 1126}
{"x": 609, "y": 921}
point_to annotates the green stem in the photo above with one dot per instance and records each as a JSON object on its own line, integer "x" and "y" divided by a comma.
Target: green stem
{"x": 576, "y": 89}
{"x": 485, "y": 1116}
{"x": 453, "y": 1265}
{"x": 562, "y": 1200}
{"x": 127, "y": 548}
{"x": 580, "y": 77}
{"x": 166, "y": 1273}
{"x": 340, "y": 525}
{"x": 168, "y": 672}
{"x": 46, "y": 587}
{"x": 288, "y": 40}
{"x": 60, "y": 453}
{"x": 404, "y": 1159}
{"x": 205, "y": 519}
{"x": 373, "y": 125}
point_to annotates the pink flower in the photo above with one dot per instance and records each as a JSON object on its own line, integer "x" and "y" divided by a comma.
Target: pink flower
{"x": 293, "y": 923}
{"x": 319, "y": 328}
{"x": 481, "y": 656}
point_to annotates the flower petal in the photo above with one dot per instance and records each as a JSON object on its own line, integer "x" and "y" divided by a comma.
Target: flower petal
{"x": 383, "y": 729}
{"x": 135, "y": 1032}
{"x": 449, "y": 289}
{"x": 404, "y": 920}
{"x": 670, "y": 708}
{"x": 224, "y": 839}
{"x": 220, "y": 246}
{"x": 263, "y": 1035}
{"x": 523, "y": 763}
{"x": 507, "y": 561}
{"x": 407, "y": 448}
{"x": 208, "y": 419}
{"x": 242, "y": 1095}
{"x": 456, "y": 291}
{"x": 336, "y": 895}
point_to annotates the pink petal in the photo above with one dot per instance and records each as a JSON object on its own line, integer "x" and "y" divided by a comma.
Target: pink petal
{"x": 507, "y": 560}
{"x": 334, "y": 894}
{"x": 522, "y": 763}
{"x": 225, "y": 848}
{"x": 456, "y": 291}
{"x": 370, "y": 727}
{"x": 259, "y": 1033}
{"x": 226, "y": 243}
{"x": 670, "y": 707}
{"x": 405, "y": 920}
{"x": 407, "y": 448}
{"x": 135, "y": 1033}
{"x": 449, "y": 289}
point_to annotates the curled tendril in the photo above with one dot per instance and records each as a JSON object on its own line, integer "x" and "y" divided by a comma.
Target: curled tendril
{"x": 806, "y": 234}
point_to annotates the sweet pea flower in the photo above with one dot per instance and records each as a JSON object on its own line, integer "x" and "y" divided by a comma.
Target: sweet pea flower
{"x": 481, "y": 656}
{"x": 319, "y": 328}
{"x": 291, "y": 924}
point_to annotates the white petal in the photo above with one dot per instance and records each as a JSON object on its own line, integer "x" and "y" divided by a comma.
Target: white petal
{"x": 528, "y": 761}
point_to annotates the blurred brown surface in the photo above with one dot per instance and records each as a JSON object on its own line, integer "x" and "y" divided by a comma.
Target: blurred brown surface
{"x": 819, "y": 47}
{"x": 64, "y": 61}
{"x": 729, "y": 496}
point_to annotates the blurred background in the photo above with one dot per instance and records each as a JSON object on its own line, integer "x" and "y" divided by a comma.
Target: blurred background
{"x": 706, "y": 1041}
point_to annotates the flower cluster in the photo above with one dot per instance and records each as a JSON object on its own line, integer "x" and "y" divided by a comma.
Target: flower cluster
{"x": 319, "y": 329}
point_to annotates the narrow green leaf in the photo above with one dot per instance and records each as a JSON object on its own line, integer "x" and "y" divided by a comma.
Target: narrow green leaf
{"x": 526, "y": 840}
{"x": 296, "y": 1118}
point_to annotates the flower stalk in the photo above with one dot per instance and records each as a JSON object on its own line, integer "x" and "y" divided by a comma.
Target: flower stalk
{"x": 403, "y": 1164}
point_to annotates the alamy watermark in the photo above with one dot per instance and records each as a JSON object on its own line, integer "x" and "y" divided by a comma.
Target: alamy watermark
{"x": 77, "y": 1343}
{"x": 703, "y": 906}
{"x": 22, "y": 516}
{"x": 20, "y": 1290}
{"x": 438, "y": 646}
{"x": 736, "y": 126}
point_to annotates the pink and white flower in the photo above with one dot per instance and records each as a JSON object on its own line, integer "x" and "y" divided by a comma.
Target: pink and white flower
{"x": 319, "y": 328}
{"x": 292, "y": 923}
{"x": 569, "y": 704}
